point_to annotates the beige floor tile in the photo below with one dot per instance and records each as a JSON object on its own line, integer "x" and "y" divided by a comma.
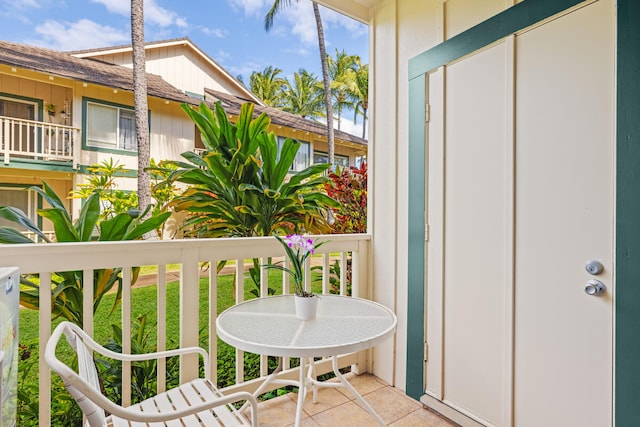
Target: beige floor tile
{"x": 347, "y": 415}
{"x": 307, "y": 422}
{"x": 362, "y": 383}
{"x": 277, "y": 412}
{"x": 327, "y": 399}
{"x": 422, "y": 418}
{"x": 336, "y": 408}
{"x": 390, "y": 403}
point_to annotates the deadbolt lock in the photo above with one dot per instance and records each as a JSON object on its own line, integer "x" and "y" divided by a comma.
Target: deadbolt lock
{"x": 594, "y": 267}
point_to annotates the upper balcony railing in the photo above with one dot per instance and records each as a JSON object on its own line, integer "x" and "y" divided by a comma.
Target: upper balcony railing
{"x": 30, "y": 139}
{"x": 46, "y": 259}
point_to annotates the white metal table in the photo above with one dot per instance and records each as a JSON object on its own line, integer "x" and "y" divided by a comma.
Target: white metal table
{"x": 343, "y": 325}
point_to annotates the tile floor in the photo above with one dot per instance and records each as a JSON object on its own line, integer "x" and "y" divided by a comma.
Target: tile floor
{"x": 337, "y": 408}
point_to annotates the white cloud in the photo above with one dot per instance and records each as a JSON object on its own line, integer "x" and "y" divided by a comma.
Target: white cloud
{"x": 347, "y": 125}
{"x": 82, "y": 34}
{"x": 121, "y": 7}
{"x": 350, "y": 127}
{"x": 244, "y": 70}
{"x": 298, "y": 19}
{"x": 22, "y": 4}
{"x": 335, "y": 19}
{"x": 215, "y": 32}
{"x": 252, "y": 7}
{"x": 221, "y": 55}
{"x": 153, "y": 12}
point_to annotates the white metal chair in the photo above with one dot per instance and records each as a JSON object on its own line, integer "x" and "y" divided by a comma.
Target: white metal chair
{"x": 195, "y": 403}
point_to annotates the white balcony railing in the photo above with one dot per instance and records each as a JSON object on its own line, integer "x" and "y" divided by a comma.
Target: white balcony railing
{"x": 45, "y": 259}
{"x": 29, "y": 139}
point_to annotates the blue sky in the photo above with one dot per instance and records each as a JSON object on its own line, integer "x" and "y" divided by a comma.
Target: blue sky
{"x": 230, "y": 31}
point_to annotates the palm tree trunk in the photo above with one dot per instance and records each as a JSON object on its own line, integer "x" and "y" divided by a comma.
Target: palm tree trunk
{"x": 327, "y": 83}
{"x": 140, "y": 103}
{"x": 364, "y": 121}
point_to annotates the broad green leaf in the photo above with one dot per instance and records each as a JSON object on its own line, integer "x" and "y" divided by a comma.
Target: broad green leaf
{"x": 115, "y": 228}
{"x": 19, "y": 217}
{"x": 49, "y": 195}
{"x": 11, "y": 235}
{"x": 88, "y": 218}
{"x": 149, "y": 225}
{"x": 64, "y": 229}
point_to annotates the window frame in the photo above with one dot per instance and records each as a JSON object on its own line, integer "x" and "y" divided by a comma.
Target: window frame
{"x": 86, "y": 102}
{"x": 303, "y": 144}
{"x": 335, "y": 158}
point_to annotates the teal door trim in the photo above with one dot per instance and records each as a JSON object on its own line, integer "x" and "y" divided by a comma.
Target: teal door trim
{"x": 504, "y": 24}
{"x": 627, "y": 298}
{"x": 627, "y": 269}
{"x": 416, "y": 243}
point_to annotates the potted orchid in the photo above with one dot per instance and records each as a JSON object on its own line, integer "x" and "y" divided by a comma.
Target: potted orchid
{"x": 298, "y": 248}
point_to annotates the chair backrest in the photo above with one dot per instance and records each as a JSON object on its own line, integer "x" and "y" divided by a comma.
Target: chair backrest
{"x": 87, "y": 376}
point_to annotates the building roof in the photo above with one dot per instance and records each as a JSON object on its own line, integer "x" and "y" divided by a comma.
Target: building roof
{"x": 62, "y": 64}
{"x": 183, "y": 41}
{"x": 232, "y": 106}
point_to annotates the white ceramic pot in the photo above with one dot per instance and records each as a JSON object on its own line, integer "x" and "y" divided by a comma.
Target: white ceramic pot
{"x": 306, "y": 307}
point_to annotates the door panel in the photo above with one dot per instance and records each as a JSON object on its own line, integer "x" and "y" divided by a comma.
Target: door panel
{"x": 22, "y": 137}
{"x": 475, "y": 194}
{"x": 565, "y": 130}
{"x": 520, "y": 196}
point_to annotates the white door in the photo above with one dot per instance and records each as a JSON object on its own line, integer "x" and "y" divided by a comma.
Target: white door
{"x": 520, "y": 198}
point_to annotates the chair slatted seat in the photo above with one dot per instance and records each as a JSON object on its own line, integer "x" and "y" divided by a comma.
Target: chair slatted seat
{"x": 194, "y": 403}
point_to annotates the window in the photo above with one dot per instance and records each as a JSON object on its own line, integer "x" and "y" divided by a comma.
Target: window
{"x": 301, "y": 161}
{"x": 338, "y": 159}
{"x": 17, "y": 197}
{"x": 111, "y": 127}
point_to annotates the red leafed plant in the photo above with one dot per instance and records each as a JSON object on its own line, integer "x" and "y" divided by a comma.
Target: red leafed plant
{"x": 349, "y": 188}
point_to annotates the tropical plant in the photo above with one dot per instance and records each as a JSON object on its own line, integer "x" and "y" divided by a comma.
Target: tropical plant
{"x": 268, "y": 86}
{"x": 334, "y": 276}
{"x": 342, "y": 77}
{"x": 360, "y": 92}
{"x": 349, "y": 187}
{"x": 241, "y": 186}
{"x": 67, "y": 286}
{"x": 326, "y": 81}
{"x": 303, "y": 96}
{"x": 102, "y": 180}
{"x": 144, "y": 374}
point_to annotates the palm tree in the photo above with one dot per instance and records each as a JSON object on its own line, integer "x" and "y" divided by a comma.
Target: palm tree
{"x": 268, "y": 23}
{"x": 342, "y": 76}
{"x": 268, "y": 86}
{"x": 140, "y": 103}
{"x": 303, "y": 96}
{"x": 360, "y": 92}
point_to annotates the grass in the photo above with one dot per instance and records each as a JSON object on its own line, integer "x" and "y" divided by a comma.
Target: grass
{"x": 144, "y": 303}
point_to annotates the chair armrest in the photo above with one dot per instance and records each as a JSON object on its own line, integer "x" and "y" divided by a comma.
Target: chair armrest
{"x": 89, "y": 342}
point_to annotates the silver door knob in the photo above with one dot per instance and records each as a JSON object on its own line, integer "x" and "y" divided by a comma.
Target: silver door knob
{"x": 595, "y": 287}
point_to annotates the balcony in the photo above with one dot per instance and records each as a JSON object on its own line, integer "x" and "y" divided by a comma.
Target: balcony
{"x": 40, "y": 141}
{"x": 44, "y": 259}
